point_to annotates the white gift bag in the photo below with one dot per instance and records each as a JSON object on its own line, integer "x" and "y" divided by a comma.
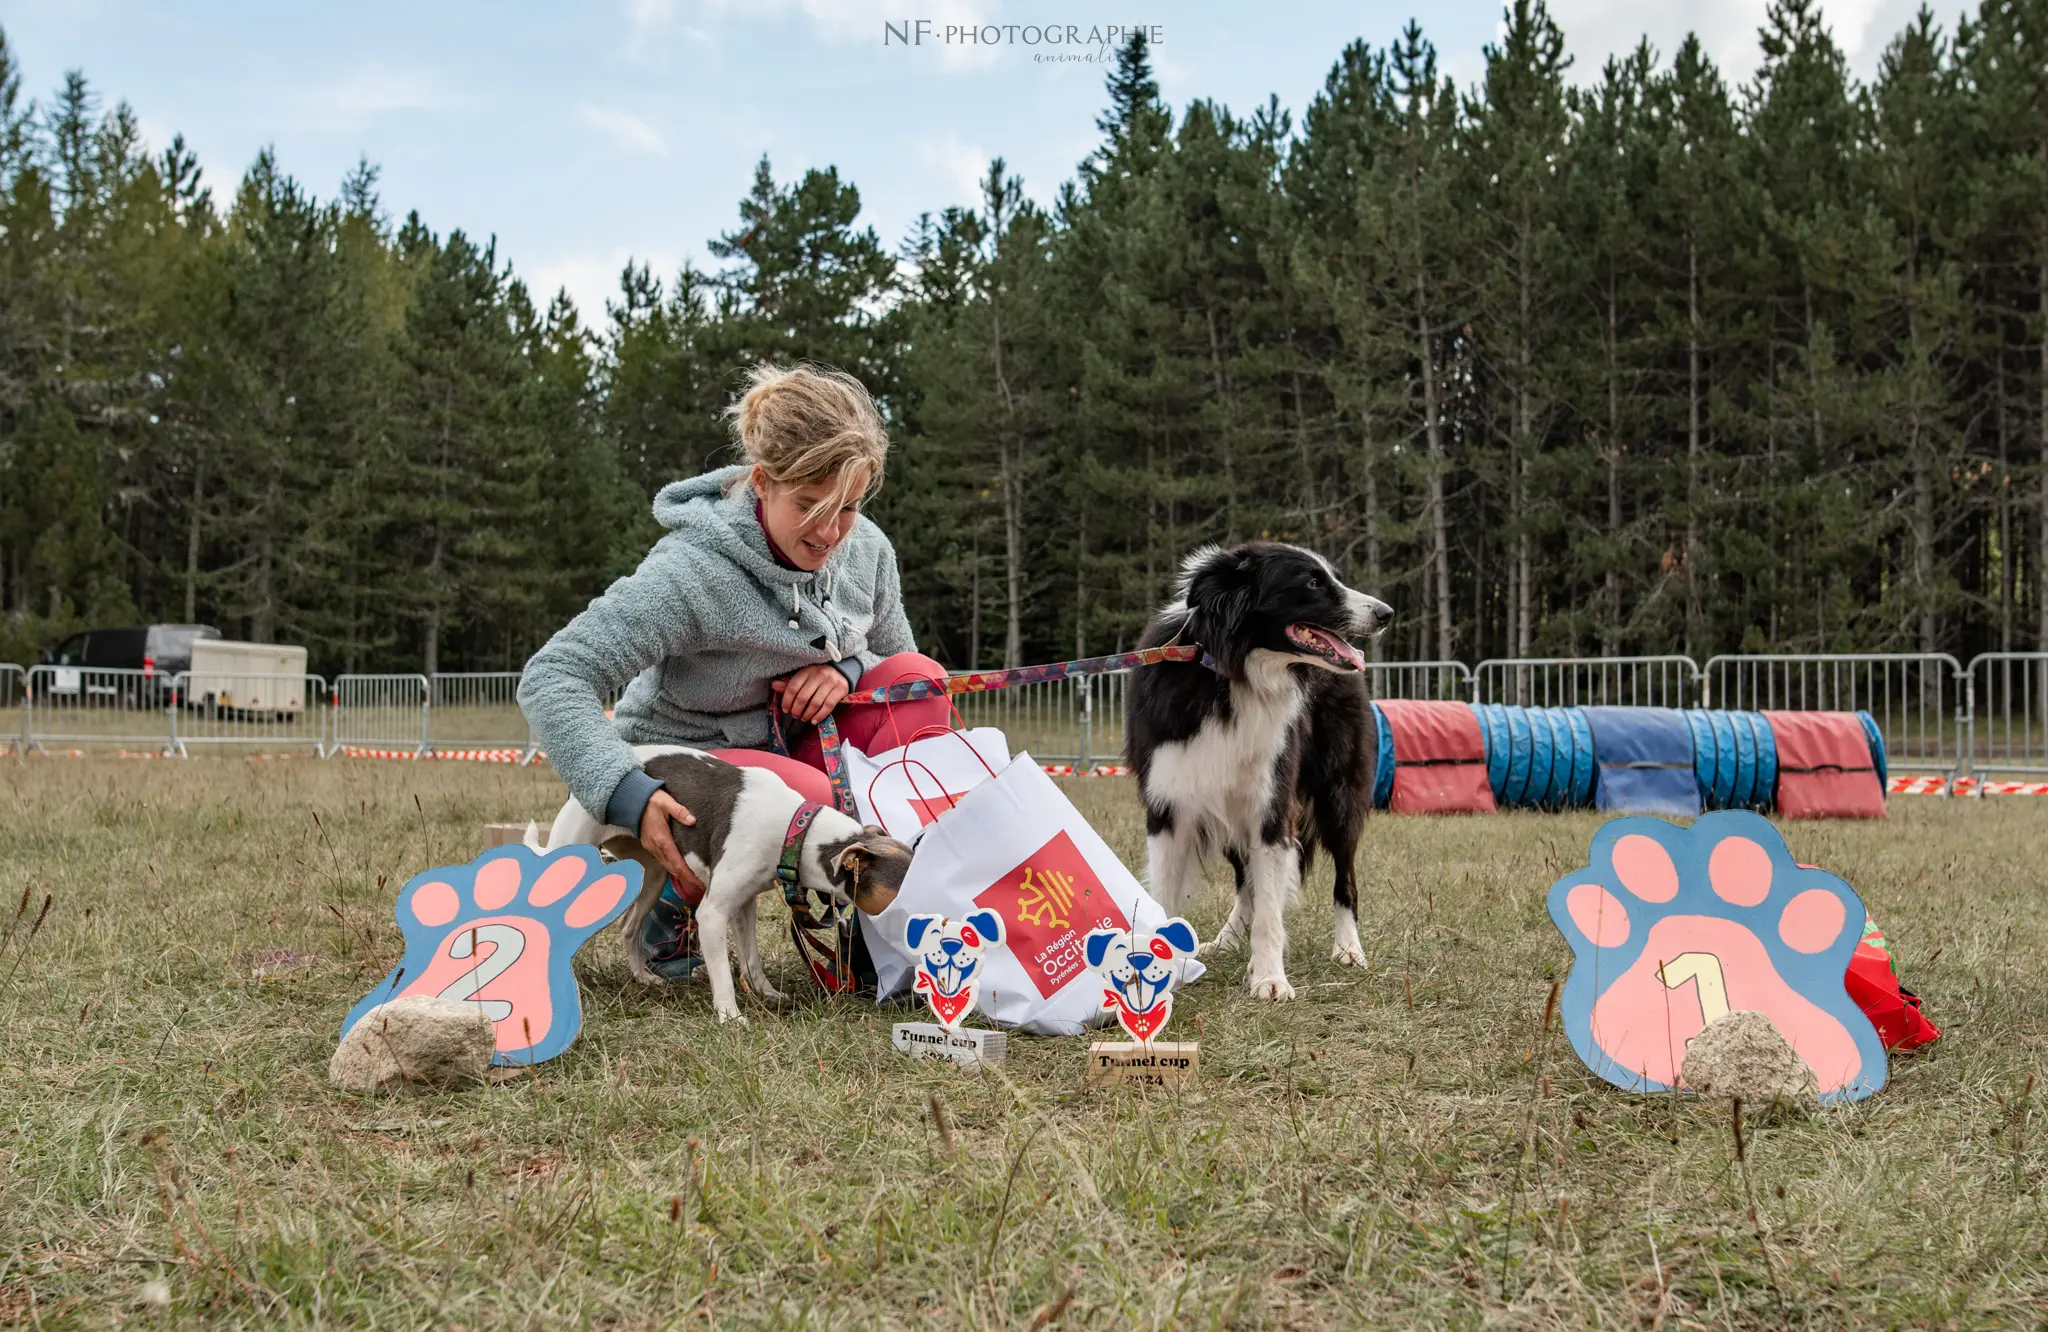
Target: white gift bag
{"x": 906, "y": 789}
{"x": 1016, "y": 846}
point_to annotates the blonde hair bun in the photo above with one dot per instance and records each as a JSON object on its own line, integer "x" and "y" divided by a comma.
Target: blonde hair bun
{"x": 811, "y": 425}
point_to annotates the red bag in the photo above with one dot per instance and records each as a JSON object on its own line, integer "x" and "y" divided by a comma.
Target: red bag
{"x": 1892, "y": 1008}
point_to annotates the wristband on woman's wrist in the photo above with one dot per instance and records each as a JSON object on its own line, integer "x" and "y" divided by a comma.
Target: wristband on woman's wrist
{"x": 628, "y": 804}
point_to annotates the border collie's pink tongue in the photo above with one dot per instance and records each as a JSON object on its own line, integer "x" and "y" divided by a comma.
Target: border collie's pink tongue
{"x": 1326, "y": 645}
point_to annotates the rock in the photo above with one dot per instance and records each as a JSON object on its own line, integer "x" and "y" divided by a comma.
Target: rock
{"x": 418, "y": 1041}
{"x": 1742, "y": 1055}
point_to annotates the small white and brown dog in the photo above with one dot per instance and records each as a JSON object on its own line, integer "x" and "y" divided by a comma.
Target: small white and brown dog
{"x": 745, "y": 818}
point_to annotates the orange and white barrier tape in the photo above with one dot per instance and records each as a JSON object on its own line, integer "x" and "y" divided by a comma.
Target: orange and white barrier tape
{"x": 452, "y": 755}
{"x": 1963, "y": 786}
{"x": 80, "y": 753}
{"x": 2006, "y": 788}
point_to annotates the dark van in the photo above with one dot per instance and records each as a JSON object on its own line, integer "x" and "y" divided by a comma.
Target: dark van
{"x": 158, "y": 651}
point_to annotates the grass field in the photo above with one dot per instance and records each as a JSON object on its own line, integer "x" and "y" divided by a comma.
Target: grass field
{"x": 1398, "y": 1148}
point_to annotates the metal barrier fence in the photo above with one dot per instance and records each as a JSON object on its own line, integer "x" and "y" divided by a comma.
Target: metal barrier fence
{"x": 247, "y": 708}
{"x": 13, "y": 708}
{"x": 95, "y": 705}
{"x": 2008, "y": 713}
{"x": 477, "y": 710}
{"x": 1921, "y": 700}
{"x": 1421, "y": 680}
{"x": 1936, "y": 714}
{"x": 1082, "y": 721}
{"x": 386, "y": 712}
{"x": 1670, "y": 681}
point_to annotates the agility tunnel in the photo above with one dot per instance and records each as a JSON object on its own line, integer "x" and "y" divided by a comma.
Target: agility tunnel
{"x": 1538, "y": 758}
{"x": 1734, "y": 759}
{"x": 1628, "y": 760}
{"x": 1831, "y": 765}
{"x": 1432, "y": 759}
{"x": 1646, "y": 759}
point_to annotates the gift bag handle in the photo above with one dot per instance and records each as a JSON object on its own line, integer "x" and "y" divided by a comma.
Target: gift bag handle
{"x": 906, "y": 763}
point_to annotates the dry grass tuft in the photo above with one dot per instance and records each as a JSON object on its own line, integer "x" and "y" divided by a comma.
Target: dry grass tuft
{"x": 1414, "y": 1146}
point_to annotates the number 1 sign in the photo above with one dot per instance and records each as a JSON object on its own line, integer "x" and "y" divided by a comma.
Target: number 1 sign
{"x": 499, "y": 932}
{"x": 1673, "y": 927}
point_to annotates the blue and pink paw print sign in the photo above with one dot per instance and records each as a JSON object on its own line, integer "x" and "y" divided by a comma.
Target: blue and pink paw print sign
{"x": 500, "y": 932}
{"x": 1672, "y": 927}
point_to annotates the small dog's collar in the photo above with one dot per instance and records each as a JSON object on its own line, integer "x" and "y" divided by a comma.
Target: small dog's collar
{"x": 831, "y": 966}
{"x": 788, "y": 870}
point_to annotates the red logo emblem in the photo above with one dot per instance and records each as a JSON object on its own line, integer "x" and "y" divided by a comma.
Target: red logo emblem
{"x": 950, "y": 1008}
{"x": 1048, "y": 905}
{"x": 1139, "y": 1025}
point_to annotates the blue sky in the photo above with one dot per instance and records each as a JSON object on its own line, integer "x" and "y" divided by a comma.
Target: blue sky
{"x": 583, "y": 134}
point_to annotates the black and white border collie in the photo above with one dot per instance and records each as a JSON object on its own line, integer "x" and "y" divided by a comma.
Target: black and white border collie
{"x": 1234, "y": 753}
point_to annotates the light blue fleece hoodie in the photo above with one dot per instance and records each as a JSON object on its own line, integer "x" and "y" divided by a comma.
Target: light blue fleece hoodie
{"x": 699, "y": 629}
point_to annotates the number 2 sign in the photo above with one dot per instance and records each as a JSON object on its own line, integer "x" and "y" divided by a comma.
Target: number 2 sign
{"x": 499, "y": 932}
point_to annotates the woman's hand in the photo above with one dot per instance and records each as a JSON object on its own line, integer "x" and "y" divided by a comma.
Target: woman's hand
{"x": 811, "y": 693}
{"x": 654, "y": 836}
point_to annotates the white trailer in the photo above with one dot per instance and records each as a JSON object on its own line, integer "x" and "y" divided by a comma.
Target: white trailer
{"x": 247, "y": 677}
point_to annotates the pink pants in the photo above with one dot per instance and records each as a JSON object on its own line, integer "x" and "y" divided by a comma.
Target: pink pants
{"x": 872, "y": 727}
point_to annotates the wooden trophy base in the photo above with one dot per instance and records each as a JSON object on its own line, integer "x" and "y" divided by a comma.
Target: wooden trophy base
{"x": 967, "y": 1047}
{"x": 1132, "y": 1064}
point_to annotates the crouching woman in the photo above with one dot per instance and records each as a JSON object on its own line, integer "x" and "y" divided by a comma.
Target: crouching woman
{"x": 770, "y": 590}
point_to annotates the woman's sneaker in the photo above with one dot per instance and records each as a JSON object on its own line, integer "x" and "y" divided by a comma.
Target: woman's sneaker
{"x": 669, "y": 936}
{"x": 665, "y": 946}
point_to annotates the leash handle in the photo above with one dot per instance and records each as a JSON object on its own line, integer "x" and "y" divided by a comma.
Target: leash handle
{"x": 830, "y": 756}
{"x": 835, "y": 768}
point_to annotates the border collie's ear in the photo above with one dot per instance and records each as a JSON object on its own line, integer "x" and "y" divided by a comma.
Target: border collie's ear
{"x": 913, "y": 930}
{"x": 1219, "y": 598}
{"x": 989, "y": 925}
{"x": 1178, "y": 933}
{"x": 1098, "y": 945}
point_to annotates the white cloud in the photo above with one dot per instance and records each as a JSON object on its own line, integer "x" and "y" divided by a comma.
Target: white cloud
{"x": 848, "y": 22}
{"x": 649, "y": 16}
{"x": 631, "y": 132}
{"x": 961, "y": 165}
{"x": 592, "y": 279}
{"x": 1727, "y": 29}
{"x": 156, "y": 135}
{"x": 370, "y": 92}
